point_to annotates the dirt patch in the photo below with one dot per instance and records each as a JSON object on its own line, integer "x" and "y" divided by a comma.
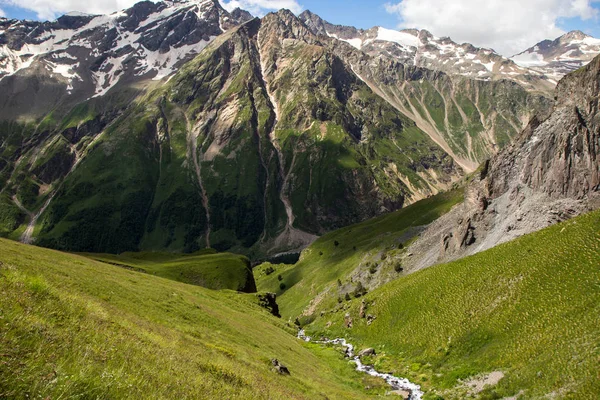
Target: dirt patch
{"x": 477, "y": 383}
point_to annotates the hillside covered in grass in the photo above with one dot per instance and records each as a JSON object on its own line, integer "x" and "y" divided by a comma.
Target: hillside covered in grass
{"x": 528, "y": 310}
{"x": 373, "y": 248}
{"x": 206, "y": 268}
{"x": 77, "y": 328}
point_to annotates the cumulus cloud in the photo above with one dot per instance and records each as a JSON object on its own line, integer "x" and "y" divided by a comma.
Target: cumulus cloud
{"x": 507, "y": 26}
{"x": 2, "y": 13}
{"x": 50, "y": 9}
{"x": 261, "y": 7}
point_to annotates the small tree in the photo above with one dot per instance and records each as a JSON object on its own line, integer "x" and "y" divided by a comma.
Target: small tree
{"x": 336, "y": 243}
{"x": 339, "y": 282}
{"x": 282, "y": 286}
{"x": 269, "y": 270}
{"x": 279, "y": 277}
{"x": 398, "y": 268}
{"x": 347, "y": 297}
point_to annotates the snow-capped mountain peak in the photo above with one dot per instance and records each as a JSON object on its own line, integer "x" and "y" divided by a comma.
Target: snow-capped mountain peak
{"x": 91, "y": 53}
{"x": 423, "y": 49}
{"x": 560, "y": 56}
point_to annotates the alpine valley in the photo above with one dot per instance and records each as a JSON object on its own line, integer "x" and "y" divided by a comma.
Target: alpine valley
{"x": 162, "y": 165}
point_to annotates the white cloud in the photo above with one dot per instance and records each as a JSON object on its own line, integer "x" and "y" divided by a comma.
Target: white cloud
{"x": 2, "y": 13}
{"x": 507, "y": 26}
{"x": 50, "y": 9}
{"x": 261, "y": 7}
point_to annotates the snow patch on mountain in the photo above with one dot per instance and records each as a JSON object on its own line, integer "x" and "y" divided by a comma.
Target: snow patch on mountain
{"x": 149, "y": 40}
{"x": 402, "y": 38}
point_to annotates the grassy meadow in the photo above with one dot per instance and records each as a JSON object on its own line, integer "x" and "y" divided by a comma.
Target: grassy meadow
{"x": 205, "y": 268}
{"x": 78, "y": 328}
{"x": 529, "y": 308}
{"x": 336, "y": 255}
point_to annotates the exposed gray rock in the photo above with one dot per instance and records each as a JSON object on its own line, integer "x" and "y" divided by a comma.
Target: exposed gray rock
{"x": 279, "y": 368}
{"x": 367, "y": 352}
{"x": 549, "y": 174}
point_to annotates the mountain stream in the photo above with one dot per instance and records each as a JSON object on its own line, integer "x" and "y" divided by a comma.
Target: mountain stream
{"x": 395, "y": 382}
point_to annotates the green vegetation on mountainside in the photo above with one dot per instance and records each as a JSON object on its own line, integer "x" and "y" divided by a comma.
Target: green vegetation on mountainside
{"x": 74, "y": 327}
{"x": 206, "y": 268}
{"x": 528, "y": 308}
{"x": 337, "y": 255}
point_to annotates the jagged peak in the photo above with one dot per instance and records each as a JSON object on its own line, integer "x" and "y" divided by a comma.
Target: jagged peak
{"x": 576, "y": 34}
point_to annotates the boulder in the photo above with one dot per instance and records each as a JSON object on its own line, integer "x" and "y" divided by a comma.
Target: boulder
{"x": 279, "y": 368}
{"x": 367, "y": 352}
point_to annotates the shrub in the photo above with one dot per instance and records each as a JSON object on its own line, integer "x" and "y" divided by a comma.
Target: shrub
{"x": 269, "y": 270}
{"x": 373, "y": 268}
{"x": 336, "y": 243}
{"x": 282, "y": 286}
{"x": 383, "y": 256}
{"x": 360, "y": 290}
{"x": 398, "y": 267}
{"x": 279, "y": 277}
{"x": 347, "y": 297}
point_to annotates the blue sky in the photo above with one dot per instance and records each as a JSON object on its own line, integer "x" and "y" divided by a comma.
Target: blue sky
{"x": 507, "y": 26}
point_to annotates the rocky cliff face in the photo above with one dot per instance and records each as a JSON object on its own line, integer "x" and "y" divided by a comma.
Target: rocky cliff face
{"x": 551, "y": 173}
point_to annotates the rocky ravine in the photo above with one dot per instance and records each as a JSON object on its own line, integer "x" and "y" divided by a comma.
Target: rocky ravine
{"x": 551, "y": 173}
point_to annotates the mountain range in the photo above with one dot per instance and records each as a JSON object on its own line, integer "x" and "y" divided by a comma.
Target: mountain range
{"x": 178, "y": 125}
{"x": 428, "y": 210}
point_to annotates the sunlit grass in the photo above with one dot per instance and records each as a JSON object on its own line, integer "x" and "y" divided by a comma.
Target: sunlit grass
{"x": 530, "y": 308}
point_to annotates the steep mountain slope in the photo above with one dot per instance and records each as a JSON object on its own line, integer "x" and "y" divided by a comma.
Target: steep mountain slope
{"x": 549, "y": 174}
{"x": 555, "y": 58}
{"x": 367, "y": 252}
{"x": 80, "y": 56}
{"x": 73, "y": 327}
{"x": 269, "y": 136}
{"x": 521, "y": 317}
{"x": 263, "y": 140}
{"x": 470, "y": 119}
{"x": 420, "y": 48}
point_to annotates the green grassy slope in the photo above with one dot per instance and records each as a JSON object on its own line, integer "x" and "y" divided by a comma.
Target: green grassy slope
{"x": 529, "y": 308}
{"x": 323, "y": 263}
{"x": 77, "y": 328}
{"x": 205, "y": 268}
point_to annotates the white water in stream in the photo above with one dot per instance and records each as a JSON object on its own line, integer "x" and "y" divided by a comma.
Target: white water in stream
{"x": 395, "y": 382}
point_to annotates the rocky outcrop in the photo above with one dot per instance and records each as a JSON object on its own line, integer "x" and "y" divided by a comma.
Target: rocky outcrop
{"x": 268, "y": 301}
{"x": 549, "y": 174}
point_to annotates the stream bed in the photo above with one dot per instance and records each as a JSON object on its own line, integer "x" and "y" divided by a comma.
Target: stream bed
{"x": 395, "y": 382}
